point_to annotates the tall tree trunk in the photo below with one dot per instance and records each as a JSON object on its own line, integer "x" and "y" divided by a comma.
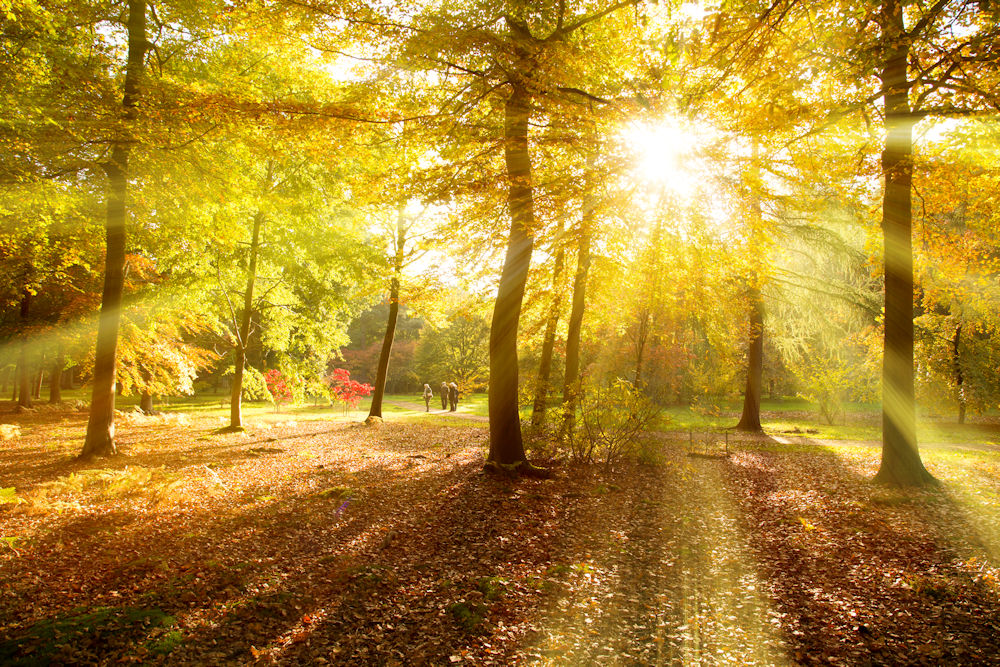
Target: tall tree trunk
{"x": 100, "y": 440}
{"x": 506, "y": 445}
{"x": 542, "y": 385}
{"x": 571, "y": 381}
{"x": 17, "y": 379}
{"x": 243, "y": 335}
{"x": 56, "y": 378}
{"x": 390, "y": 327}
{"x": 956, "y": 361}
{"x": 750, "y": 419}
{"x": 146, "y": 403}
{"x": 641, "y": 336}
{"x": 901, "y": 464}
{"x": 36, "y": 389}
{"x": 24, "y": 372}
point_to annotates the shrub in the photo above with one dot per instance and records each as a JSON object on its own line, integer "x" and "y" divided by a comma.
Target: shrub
{"x": 347, "y": 391}
{"x": 614, "y": 419}
{"x": 278, "y": 387}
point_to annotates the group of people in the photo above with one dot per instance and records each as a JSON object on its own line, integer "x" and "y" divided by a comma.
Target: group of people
{"x": 449, "y": 396}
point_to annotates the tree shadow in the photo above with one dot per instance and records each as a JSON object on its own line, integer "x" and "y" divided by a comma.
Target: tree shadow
{"x": 391, "y": 546}
{"x": 860, "y": 572}
{"x": 408, "y": 539}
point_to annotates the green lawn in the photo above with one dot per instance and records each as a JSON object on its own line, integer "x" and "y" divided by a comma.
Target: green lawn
{"x": 779, "y": 417}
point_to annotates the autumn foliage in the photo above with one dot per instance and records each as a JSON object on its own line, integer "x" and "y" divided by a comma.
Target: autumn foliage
{"x": 347, "y": 391}
{"x": 278, "y": 387}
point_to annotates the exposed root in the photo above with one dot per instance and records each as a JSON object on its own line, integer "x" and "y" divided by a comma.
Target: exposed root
{"x": 517, "y": 469}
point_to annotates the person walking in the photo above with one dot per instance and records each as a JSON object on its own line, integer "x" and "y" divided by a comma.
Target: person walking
{"x": 453, "y": 396}
{"x": 444, "y": 395}
{"x": 428, "y": 395}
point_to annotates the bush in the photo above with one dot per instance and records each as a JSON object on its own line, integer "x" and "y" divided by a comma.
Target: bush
{"x": 615, "y": 418}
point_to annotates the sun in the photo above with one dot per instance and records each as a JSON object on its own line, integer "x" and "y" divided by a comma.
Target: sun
{"x": 665, "y": 155}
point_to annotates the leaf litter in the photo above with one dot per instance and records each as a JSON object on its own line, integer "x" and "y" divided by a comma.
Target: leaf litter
{"x": 333, "y": 543}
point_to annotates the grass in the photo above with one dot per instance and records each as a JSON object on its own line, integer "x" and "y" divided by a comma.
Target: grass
{"x": 790, "y": 416}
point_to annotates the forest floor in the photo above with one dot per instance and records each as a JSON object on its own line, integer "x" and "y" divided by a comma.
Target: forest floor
{"x": 334, "y": 543}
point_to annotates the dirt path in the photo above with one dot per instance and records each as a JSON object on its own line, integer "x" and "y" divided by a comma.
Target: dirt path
{"x": 670, "y": 582}
{"x": 421, "y": 409}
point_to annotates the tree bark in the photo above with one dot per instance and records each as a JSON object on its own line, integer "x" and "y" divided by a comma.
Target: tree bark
{"x": 146, "y": 403}
{"x": 56, "y": 378}
{"x": 542, "y": 384}
{"x": 571, "y": 381}
{"x": 36, "y": 389}
{"x": 750, "y": 419}
{"x": 100, "y": 440}
{"x": 243, "y": 335}
{"x": 641, "y": 336}
{"x": 956, "y": 361}
{"x": 24, "y": 374}
{"x": 506, "y": 445}
{"x": 901, "y": 464}
{"x": 382, "y": 370}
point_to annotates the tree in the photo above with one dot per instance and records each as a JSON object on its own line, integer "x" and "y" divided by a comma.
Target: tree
{"x": 456, "y": 349}
{"x": 243, "y": 332}
{"x": 100, "y": 439}
{"x": 584, "y": 234}
{"x": 750, "y": 417}
{"x": 390, "y": 328}
{"x": 542, "y": 382}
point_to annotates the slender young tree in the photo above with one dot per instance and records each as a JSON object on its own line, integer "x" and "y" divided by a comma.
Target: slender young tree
{"x": 56, "y": 376}
{"x": 382, "y": 371}
{"x": 23, "y": 374}
{"x": 571, "y": 381}
{"x": 243, "y": 333}
{"x": 956, "y": 360}
{"x": 543, "y": 383}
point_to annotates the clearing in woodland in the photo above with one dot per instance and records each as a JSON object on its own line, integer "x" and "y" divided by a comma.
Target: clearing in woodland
{"x": 330, "y": 542}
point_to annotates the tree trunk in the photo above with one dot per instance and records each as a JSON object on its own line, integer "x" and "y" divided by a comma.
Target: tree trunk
{"x": 100, "y": 440}
{"x": 56, "y": 378}
{"x": 549, "y": 342}
{"x": 901, "y": 464}
{"x": 243, "y": 335}
{"x": 750, "y": 419}
{"x": 390, "y": 327}
{"x": 571, "y": 381}
{"x": 146, "y": 403}
{"x": 5, "y": 380}
{"x": 506, "y": 445}
{"x": 956, "y": 361}
{"x": 641, "y": 335}
{"x": 24, "y": 374}
{"x": 36, "y": 389}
